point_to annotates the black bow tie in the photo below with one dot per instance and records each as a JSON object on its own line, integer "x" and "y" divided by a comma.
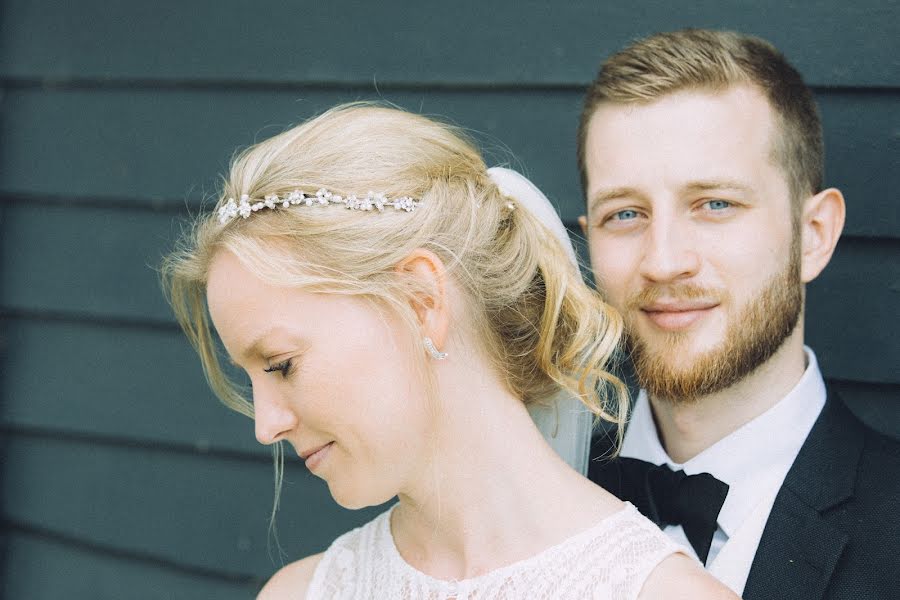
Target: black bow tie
{"x": 669, "y": 497}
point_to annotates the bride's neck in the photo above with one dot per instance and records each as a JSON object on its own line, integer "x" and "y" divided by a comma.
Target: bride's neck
{"x": 492, "y": 491}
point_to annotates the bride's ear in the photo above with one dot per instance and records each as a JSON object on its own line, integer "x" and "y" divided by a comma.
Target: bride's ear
{"x": 427, "y": 278}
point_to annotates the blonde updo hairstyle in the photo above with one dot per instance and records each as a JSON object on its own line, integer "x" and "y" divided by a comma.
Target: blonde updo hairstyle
{"x": 535, "y": 320}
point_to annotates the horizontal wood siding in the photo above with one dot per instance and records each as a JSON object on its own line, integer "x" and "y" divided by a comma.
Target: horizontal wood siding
{"x": 427, "y": 43}
{"x": 165, "y": 149}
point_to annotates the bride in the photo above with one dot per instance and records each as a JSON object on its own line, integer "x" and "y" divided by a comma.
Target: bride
{"x": 397, "y": 313}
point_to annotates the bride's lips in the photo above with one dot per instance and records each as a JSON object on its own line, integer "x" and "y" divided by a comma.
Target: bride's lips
{"x": 314, "y": 456}
{"x": 674, "y": 316}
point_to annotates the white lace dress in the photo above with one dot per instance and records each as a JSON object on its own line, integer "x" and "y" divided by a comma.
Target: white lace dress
{"x": 609, "y": 561}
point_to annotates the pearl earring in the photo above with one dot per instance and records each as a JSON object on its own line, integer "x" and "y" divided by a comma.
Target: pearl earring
{"x": 434, "y": 352}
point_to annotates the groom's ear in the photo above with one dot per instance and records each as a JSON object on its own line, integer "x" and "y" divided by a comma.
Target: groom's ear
{"x": 821, "y": 224}
{"x": 582, "y": 220}
{"x": 426, "y": 277}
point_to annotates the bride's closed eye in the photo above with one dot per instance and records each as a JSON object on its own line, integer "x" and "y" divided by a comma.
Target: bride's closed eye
{"x": 283, "y": 366}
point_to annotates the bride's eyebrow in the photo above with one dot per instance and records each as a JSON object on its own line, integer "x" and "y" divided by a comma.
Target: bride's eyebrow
{"x": 258, "y": 346}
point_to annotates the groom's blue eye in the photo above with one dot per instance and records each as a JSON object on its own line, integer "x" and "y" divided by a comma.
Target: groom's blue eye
{"x": 625, "y": 215}
{"x": 718, "y": 204}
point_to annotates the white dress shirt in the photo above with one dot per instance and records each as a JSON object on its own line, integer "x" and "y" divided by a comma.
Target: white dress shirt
{"x": 753, "y": 460}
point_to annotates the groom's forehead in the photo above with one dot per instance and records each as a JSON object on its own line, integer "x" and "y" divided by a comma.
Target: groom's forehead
{"x": 689, "y": 141}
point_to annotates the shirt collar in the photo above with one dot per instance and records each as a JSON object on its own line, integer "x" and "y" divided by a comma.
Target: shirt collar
{"x": 751, "y": 459}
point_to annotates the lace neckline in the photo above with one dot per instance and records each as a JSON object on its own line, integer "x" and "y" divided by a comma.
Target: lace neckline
{"x": 585, "y": 535}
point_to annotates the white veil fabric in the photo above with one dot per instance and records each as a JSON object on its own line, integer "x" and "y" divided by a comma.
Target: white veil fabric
{"x": 564, "y": 421}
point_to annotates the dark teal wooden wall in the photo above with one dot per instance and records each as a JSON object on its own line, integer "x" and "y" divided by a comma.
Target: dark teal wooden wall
{"x": 122, "y": 477}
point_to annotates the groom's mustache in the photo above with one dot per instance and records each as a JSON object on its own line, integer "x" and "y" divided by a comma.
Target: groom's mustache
{"x": 675, "y": 297}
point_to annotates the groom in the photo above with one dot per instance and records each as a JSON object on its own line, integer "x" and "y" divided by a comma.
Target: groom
{"x": 701, "y": 160}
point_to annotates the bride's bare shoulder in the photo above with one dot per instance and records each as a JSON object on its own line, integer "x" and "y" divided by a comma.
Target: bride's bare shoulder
{"x": 679, "y": 577}
{"x": 291, "y": 581}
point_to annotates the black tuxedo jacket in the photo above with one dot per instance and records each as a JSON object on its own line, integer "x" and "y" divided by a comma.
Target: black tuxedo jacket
{"x": 834, "y": 530}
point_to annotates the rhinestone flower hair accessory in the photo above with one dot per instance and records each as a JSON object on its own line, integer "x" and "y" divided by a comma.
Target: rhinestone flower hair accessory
{"x": 372, "y": 201}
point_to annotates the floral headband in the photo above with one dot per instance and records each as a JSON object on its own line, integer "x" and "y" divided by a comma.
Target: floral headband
{"x": 372, "y": 201}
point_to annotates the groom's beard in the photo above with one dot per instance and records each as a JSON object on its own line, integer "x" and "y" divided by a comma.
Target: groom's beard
{"x": 753, "y": 334}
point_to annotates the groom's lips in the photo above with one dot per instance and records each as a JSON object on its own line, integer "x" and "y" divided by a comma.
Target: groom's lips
{"x": 677, "y": 315}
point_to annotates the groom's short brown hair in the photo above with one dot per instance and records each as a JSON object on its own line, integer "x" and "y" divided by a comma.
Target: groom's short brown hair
{"x": 701, "y": 59}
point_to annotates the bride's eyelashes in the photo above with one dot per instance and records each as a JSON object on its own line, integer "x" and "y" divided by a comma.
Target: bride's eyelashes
{"x": 283, "y": 366}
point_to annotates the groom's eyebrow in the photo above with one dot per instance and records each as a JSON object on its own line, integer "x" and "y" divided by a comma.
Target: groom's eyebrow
{"x": 603, "y": 196}
{"x": 718, "y": 185}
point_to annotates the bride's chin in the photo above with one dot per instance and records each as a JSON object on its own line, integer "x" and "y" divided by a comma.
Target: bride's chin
{"x": 354, "y": 498}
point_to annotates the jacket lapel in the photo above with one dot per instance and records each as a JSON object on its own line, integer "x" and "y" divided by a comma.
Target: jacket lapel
{"x": 799, "y": 548}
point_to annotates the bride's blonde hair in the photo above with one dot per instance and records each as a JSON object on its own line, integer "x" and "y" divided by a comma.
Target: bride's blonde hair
{"x": 537, "y": 322}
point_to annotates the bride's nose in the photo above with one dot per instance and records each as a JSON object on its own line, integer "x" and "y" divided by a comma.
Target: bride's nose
{"x": 274, "y": 419}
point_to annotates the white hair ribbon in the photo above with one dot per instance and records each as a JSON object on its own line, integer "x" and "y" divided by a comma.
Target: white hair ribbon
{"x": 564, "y": 421}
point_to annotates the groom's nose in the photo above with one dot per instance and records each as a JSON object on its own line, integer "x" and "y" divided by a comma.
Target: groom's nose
{"x": 669, "y": 253}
